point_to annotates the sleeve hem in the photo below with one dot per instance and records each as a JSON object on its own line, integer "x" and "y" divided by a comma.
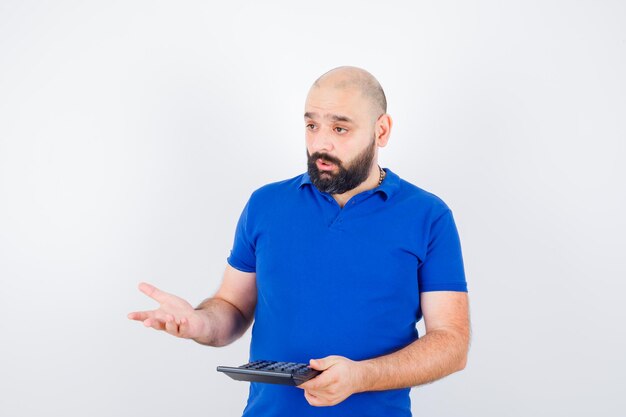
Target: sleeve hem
{"x": 238, "y": 265}
{"x": 445, "y": 286}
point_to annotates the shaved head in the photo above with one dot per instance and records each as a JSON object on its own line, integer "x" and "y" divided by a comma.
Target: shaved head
{"x": 346, "y": 121}
{"x": 348, "y": 77}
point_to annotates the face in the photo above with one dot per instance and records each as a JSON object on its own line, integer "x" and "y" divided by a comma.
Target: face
{"x": 324, "y": 177}
{"x": 340, "y": 139}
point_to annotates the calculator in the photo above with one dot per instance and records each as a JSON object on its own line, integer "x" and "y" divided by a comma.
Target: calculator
{"x": 271, "y": 372}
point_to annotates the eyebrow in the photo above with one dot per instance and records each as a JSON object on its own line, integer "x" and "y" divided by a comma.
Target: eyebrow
{"x": 333, "y": 117}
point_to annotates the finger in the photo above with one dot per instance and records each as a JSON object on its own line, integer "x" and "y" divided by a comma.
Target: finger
{"x": 318, "y": 382}
{"x": 143, "y": 315}
{"x": 156, "y": 320}
{"x": 312, "y": 399}
{"x": 324, "y": 363}
{"x": 308, "y": 385}
{"x": 183, "y": 327}
{"x": 171, "y": 326}
{"x": 155, "y": 324}
{"x": 159, "y": 316}
{"x": 153, "y": 292}
{"x": 140, "y": 315}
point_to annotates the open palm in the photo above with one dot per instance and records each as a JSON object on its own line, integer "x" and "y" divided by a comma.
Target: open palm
{"x": 174, "y": 315}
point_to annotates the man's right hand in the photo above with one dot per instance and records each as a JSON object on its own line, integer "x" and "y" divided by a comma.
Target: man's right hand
{"x": 174, "y": 315}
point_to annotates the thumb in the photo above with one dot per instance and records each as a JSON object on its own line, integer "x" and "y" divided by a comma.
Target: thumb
{"x": 323, "y": 363}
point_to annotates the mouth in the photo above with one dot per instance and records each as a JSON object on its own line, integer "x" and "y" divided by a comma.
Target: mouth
{"x": 324, "y": 166}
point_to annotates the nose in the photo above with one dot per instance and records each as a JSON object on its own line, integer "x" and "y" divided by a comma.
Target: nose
{"x": 320, "y": 142}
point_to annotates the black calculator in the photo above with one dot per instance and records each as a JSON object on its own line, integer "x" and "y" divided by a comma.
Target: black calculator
{"x": 271, "y": 372}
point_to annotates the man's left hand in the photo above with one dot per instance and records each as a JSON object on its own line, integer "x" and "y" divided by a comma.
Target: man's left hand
{"x": 341, "y": 377}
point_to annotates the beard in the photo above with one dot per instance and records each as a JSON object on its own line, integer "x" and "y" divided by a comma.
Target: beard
{"x": 347, "y": 178}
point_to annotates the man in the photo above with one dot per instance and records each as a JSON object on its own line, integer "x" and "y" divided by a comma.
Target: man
{"x": 335, "y": 266}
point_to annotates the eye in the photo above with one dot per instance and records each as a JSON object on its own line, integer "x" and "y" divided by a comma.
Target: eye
{"x": 310, "y": 124}
{"x": 345, "y": 130}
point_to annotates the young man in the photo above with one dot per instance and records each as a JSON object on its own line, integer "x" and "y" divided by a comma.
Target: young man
{"x": 335, "y": 267}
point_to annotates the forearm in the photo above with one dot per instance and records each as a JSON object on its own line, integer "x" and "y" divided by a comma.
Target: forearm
{"x": 436, "y": 355}
{"x": 224, "y": 323}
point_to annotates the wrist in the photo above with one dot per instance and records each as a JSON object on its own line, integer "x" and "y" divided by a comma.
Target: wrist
{"x": 204, "y": 335}
{"x": 365, "y": 375}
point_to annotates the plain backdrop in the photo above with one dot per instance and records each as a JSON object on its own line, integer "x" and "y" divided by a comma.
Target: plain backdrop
{"x": 133, "y": 132}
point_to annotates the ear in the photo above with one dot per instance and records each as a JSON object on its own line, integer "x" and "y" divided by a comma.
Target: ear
{"x": 382, "y": 129}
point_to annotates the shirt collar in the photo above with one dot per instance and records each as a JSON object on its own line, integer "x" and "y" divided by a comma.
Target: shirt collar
{"x": 388, "y": 188}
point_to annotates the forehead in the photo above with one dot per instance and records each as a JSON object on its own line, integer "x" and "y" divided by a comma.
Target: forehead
{"x": 327, "y": 103}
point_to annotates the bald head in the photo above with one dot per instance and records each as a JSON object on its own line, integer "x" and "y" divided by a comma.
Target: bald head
{"x": 348, "y": 77}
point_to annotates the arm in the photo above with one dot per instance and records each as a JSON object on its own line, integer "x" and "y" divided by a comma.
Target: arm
{"x": 440, "y": 352}
{"x": 232, "y": 307}
{"x": 217, "y": 321}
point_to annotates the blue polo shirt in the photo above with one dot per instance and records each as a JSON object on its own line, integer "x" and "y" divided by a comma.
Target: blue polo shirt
{"x": 341, "y": 281}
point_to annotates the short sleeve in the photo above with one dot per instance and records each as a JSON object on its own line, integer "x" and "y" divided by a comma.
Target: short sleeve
{"x": 442, "y": 268}
{"x": 242, "y": 255}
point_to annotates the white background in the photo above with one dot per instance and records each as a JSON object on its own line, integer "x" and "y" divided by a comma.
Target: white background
{"x": 133, "y": 132}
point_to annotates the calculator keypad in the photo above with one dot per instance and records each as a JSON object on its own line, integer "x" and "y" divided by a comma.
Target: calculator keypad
{"x": 288, "y": 367}
{"x": 272, "y": 372}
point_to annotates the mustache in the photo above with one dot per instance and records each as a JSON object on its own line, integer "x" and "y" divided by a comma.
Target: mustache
{"x": 324, "y": 157}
